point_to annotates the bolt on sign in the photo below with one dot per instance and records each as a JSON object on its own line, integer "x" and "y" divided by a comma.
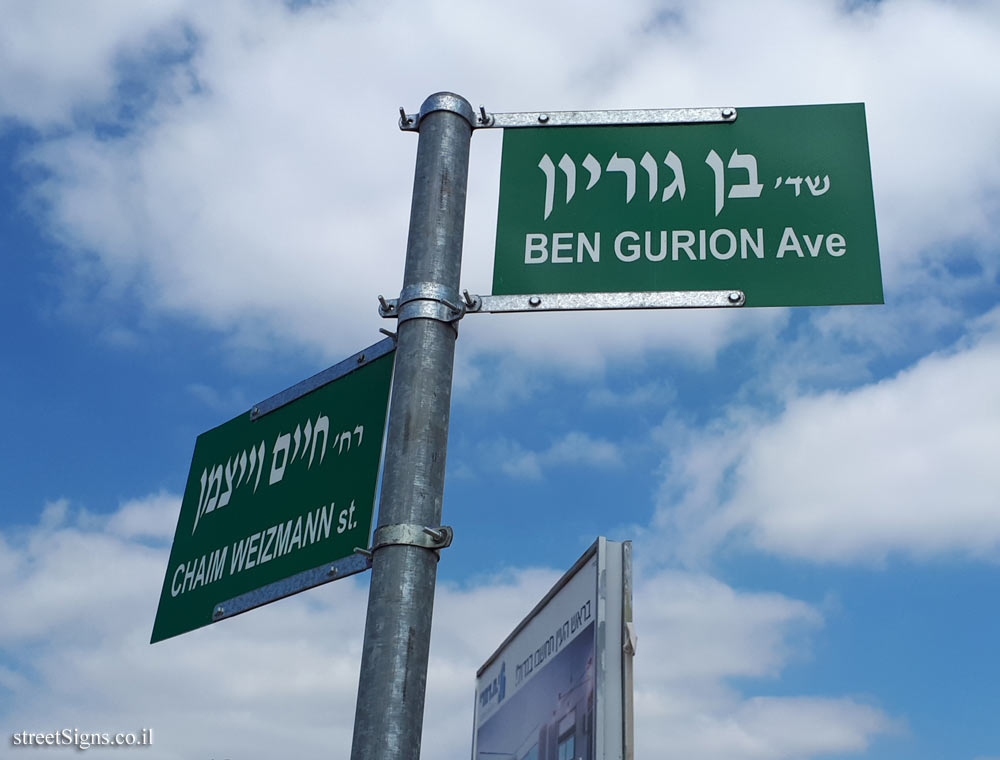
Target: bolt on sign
{"x": 278, "y": 495}
{"x": 778, "y": 203}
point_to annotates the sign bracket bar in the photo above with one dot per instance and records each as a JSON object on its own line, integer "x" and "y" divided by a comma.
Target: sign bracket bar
{"x": 329, "y": 571}
{"x": 668, "y": 299}
{"x": 328, "y": 375}
{"x": 410, "y": 122}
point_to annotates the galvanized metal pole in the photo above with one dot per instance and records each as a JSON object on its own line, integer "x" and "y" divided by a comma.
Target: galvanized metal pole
{"x": 390, "y": 708}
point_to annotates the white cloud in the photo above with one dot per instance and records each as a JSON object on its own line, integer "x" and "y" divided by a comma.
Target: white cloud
{"x": 906, "y": 465}
{"x": 152, "y": 517}
{"x": 721, "y": 632}
{"x": 778, "y": 728}
{"x": 515, "y": 461}
{"x": 696, "y": 633}
{"x": 58, "y": 57}
{"x": 283, "y": 678}
{"x": 54, "y": 513}
{"x": 652, "y": 395}
{"x": 574, "y": 449}
{"x": 581, "y": 448}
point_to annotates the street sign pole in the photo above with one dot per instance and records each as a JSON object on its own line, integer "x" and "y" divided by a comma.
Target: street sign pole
{"x": 390, "y": 706}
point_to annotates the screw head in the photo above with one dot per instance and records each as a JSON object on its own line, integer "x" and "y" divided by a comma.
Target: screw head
{"x": 534, "y": 301}
{"x": 219, "y": 611}
{"x": 332, "y": 571}
{"x": 361, "y": 358}
{"x": 543, "y": 118}
{"x": 727, "y": 113}
{"x": 256, "y": 411}
{"x": 735, "y": 297}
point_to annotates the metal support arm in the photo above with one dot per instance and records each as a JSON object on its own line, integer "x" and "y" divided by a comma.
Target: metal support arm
{"x": 485, "y": 120}
{"x": 669, "y": 299}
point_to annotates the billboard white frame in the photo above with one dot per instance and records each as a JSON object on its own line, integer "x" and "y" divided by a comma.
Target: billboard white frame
{"x": 560, "y": 685}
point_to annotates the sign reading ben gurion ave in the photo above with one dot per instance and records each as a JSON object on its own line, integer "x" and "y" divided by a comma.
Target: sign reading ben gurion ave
{"x": 277, "y": 495}
{"x": 778, "y": 203}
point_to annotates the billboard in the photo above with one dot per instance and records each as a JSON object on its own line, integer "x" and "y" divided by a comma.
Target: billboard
{"x": 560, "y": 686}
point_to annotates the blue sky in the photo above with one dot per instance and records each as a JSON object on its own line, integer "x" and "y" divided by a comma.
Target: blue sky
{"x": 200, "y": 202}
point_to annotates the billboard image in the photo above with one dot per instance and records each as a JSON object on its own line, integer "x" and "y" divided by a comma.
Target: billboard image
{"x": 557, "y": 688}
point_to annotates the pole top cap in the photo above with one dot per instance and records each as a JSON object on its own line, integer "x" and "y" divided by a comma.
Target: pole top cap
{"x": 448, "y": 101}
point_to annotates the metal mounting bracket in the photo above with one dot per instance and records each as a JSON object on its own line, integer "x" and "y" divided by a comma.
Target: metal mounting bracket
{"x": 630, "y": 639}
{"x": 645, "y": 116}
{"x": 670, "y": 299}
{"x": 423, "y": 301}
{"x": 330, "y": 571}
{"x": 337, "y": 371}
{"x": 410, "y": 122}
{"x": 407, "y": 534}
{"x": 440, "y": 101}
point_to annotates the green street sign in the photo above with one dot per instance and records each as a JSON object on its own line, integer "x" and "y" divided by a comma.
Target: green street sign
{"x": 278, "y": 498}
{"x": 777, "y": 203}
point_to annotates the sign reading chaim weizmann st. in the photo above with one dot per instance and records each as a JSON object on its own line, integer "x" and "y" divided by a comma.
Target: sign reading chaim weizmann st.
{"x": 278, "y": 494}
{"x": 777, "y": 203}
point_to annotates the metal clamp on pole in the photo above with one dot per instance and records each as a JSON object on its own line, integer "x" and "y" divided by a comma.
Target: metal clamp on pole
{"x": 423, "y": 300}
{"x": 443, "y": 101}
{"x": 408, "y": 534}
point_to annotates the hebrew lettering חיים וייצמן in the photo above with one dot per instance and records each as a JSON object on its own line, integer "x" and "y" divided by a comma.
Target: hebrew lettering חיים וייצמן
{"x": 220, "y": 482}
